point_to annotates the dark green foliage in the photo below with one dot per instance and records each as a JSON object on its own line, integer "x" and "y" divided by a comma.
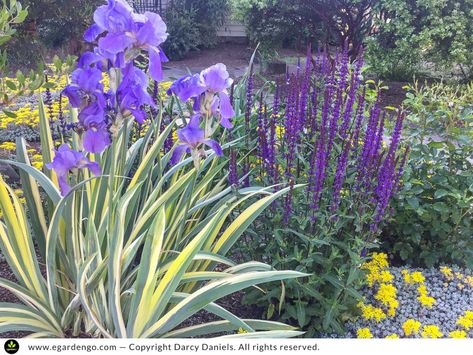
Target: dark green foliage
{"x": 183, "y": 34}
{"x": 414, "y": 35}
{"x": 433, "y": 213}
{"x": 287, "y": 23}
{"x": 193, "y": 25}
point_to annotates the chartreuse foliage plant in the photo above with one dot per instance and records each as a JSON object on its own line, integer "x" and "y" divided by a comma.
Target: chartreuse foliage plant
{"x": 128, "y": 240}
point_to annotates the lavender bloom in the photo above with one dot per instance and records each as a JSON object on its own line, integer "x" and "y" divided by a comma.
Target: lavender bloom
{"x": 340, "y": 176}
{"x": 67, "y": 160}
{"x": 128, "y": 31}
{"x": 359, "y": 120}
{"x": 355, "y": 82}
{"x": 305, "y": 87}
{"x": 369, "y": 141}
{"x": 387, "y": 174}
{"x": 343, "y": 72}
{"x": 192, "y": 137}
{"x": 272, "y": 138}
{"x": 262, "y": 135}
{"x": 249, "y": 105}
{"x": 233, "y": 164}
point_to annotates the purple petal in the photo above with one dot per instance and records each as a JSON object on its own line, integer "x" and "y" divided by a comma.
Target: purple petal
{"x": 115, "y": 42}
{"x": 73, "y": 94}
{"x": 155, "y": 68}
{"x": 93, "y": 32}
{"x": 96, "y": 140}
{"x": 94, "y": 168}
{"x": 216, "y": 77}
{"x": 186, "y": 87}
{"x": 226, "y": 109}
{"x": 178, "y": 153}
{"x": 140, "y": 115}
{"x": 215, "y": 146}
{"x": 87, "y": 59}
{"x": 163, "y": 56}
{"x": 65, "y": 188}
{"x": 153, "y": 32}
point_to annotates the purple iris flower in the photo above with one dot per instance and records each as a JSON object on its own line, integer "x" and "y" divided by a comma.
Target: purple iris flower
{"x": 216, "y": 80}
{"x": 65, "y": 161}
{"x": 86, "y": 86}
{"x": 191, "y": 137}
{"x": 133, "y": 92}
{"x": 96, "y": 137}
{"x": 127, "y": 30}
{"x": 186, "y": 87}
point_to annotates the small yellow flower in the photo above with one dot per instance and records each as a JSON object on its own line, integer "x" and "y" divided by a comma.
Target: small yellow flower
{"x": 432, "y": 332}
{"x": 411, "y": 326}
{"x": 465, "y": 322}
{"x": 364, "y": 333}
{"x": 468, "y": 315}
{"x": 458, "y": 334}
{"x": 392, "y": 336}
{"x": 9, "y": 146}
{"x": 426, "y": 301}
{"x": 447, "y": 272}
{"x": 242, "y": 331}
{"x": 370, "y": 312}
{"x": 418, "y": 277}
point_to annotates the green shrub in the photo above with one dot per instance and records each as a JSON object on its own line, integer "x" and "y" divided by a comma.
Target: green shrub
{"x": 184, "y": 36}
{"x": 284, "y": 23}
{"x": 433, "y": 212}
{"x": 193, "y": 25}
{"x": 411, "y": 34}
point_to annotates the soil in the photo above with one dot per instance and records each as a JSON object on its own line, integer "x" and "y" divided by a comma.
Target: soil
{"x": 231, "y": 54}
{"x": 7, "y": 296}
{"x": 395, "y": 94}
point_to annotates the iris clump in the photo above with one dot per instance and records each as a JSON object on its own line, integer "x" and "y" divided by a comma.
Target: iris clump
{"x": 211, "y": 107}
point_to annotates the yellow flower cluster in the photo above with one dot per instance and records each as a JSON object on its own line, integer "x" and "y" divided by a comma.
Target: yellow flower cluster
{"x": 413, "y": 278}
{"x": 379, "y": 274}
{"x": 392, "y": 336}
{"x": 447, "y": 272}
{"x": 463, "y": 280}
{"x": 8, "y": 146}
{"x": 417, "y": 278}
{"x": 387, "y": 296}
{"x": 280, "y": 132}
{"x": 431, "y": 331}
{"x": 458, "y": 334}
{"x": 411, "y": 327}
{"x": 370, "y": 312}
{"x": 364, "y": 333}
{"x": 29, "y": 116}
{"x": 377, "y": 269}
{"x": 466, "y": 321}
{"x": 423, "y": 297}
{"x": 35, "y": 158}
